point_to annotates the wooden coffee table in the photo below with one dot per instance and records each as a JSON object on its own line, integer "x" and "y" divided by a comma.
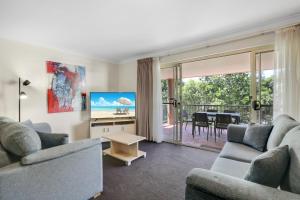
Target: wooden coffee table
{"x": 124, "y": 146}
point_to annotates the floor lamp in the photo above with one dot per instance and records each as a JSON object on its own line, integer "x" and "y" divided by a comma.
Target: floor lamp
{"x": 22, "y": 94}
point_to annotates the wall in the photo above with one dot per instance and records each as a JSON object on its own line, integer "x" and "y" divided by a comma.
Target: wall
{"x": 28, "y": 62}
{"x": 128, "y": 69}
{"x": 127, "y": 74}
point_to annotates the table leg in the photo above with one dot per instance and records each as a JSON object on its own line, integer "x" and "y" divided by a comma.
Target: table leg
{"x": 193, "y": 129}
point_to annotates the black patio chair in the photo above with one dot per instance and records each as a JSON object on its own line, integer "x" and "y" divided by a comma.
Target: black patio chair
{"x": 211, "y": 119}
{"x": 185, "y": 118}
{"x": 200, "y": 120}
{"x": 233, "y": 119}
{"x": 221, "y": 123}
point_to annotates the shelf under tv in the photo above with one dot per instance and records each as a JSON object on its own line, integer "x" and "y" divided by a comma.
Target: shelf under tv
{"x": 103, "y": 126}
{"x": 118, "y": 118}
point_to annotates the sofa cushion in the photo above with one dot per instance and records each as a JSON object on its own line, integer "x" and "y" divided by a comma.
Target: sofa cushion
{"x": 18, "y": 138}
{"x": 270, "y": 167}
{"x": 257, "y": 136}
{"x": 230, "y": 167}
{"x": 38, "y": 127}
{"x": 239, "y": 152}
{"x": 291, "y": 181}
{"x": 28, "y": 123}
{"x": 282, "y": 124}
{"x": 6, "y": 158}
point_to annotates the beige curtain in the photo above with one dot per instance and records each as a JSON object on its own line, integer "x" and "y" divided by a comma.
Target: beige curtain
{"x": 145, "y": 98}
{"x": 287, "y": 72}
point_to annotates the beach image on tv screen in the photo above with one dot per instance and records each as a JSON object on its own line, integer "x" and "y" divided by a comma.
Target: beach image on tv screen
{"x": 112, "y": 104}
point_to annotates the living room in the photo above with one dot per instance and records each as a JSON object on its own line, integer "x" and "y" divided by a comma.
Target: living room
{"x": 149, "y": 100}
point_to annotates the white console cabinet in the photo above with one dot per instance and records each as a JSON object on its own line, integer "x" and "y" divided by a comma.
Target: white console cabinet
{"x": 101, "y": 127}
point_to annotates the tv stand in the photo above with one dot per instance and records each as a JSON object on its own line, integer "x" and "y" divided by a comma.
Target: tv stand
{"x": 106, "y": 126}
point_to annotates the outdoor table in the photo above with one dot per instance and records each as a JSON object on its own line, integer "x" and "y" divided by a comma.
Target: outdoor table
{"x": 236, "y": 116}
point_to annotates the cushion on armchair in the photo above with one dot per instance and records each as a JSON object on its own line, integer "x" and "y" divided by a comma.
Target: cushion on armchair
{"x": 18, "y": 138}
{"x": 53, "y": 139}
{"x": 48, "y": 139}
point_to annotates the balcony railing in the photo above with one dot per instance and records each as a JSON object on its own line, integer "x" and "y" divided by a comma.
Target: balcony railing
{"x": 266, "y": 111}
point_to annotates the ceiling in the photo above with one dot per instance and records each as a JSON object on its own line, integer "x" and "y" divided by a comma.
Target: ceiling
{"x": 238, "y": 63}
{"x": 117, "y": 30}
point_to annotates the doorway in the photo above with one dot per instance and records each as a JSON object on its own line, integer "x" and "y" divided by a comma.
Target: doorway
{"x": 226, "y": 83}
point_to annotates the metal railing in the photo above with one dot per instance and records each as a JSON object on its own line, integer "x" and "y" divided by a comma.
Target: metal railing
{"x": 265, "y": 117}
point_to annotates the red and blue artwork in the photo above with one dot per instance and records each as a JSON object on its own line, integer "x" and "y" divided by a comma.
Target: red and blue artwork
{"x": 66, "y": 89}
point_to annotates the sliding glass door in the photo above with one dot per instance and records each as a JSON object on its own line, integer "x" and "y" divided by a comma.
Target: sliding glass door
{"x": 172, "y": 108}
{"x": 239, "y": 84}
{"x": 262, "y": 87}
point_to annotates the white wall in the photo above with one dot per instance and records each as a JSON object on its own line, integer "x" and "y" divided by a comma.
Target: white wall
{"x": 28, "y": 62}
{"x": 127, "y": 74}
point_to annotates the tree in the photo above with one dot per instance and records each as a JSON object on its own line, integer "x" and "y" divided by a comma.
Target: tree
{"x": 225, "y": 89}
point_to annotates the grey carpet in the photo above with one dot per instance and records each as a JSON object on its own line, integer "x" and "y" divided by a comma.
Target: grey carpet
{"x": 160, "y": 176}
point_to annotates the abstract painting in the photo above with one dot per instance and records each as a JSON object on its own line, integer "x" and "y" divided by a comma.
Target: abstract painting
{"x": 66, "y": 89}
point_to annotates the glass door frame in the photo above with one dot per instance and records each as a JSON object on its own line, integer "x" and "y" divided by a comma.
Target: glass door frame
{"x": 178, "y": 124}
{"x": 174, "y": 108}
{"x": 255, "y": 87}
{"x": 177, "y": 75}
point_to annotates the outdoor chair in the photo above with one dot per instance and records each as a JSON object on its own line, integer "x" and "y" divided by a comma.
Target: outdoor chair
{"x": 231, "y": 111}
{"x": 211, "y": 119}
{"x": 185, "y": 118}
{"x": 221, "y": 123}
{"x": 200, "y": 120}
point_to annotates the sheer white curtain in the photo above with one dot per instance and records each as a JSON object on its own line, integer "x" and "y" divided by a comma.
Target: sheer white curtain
{"x": 157, "y": 103}
{"x": 287, "y": 72}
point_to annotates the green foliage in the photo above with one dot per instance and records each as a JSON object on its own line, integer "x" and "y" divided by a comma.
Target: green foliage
{"x": 267, "y": 91}
{"x": 164, "y": 88}
{"x": 227, "y": 89}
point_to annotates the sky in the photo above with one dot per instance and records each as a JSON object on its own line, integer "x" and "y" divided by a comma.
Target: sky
{"x": 111, "y": 98}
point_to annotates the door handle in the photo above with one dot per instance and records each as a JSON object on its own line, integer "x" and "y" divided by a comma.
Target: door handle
{"x": 256, "y": 105}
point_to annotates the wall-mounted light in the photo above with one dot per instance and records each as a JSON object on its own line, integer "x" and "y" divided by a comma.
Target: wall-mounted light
{"x": 22, "y": 94}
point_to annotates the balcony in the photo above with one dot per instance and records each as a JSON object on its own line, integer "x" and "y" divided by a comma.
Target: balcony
{"x": 264, "y": 116}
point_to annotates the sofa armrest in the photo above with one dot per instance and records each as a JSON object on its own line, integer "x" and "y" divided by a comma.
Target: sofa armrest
{"x": 59, "y": 151}
{"x": 223, "y": 186}
{"x": 53, "y": 139}
{"x": 235, "y": 133}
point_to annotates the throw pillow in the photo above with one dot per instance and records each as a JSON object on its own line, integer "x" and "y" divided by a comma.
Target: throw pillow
{"x": 28, "y": 123}
{"x": 18, "y": 138}
{"x": 257, "y": 136}
{"x": 269, "y": 168}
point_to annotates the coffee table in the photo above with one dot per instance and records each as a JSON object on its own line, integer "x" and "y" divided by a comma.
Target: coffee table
{"x": 124, "y": 146}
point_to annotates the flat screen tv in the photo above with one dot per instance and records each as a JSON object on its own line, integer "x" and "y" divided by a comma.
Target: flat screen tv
{"x": 112, "y": 104}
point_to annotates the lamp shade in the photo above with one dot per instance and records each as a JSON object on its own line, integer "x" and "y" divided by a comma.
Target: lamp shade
{"x": 23, "y": 95}
{"x": 26, "y": 82}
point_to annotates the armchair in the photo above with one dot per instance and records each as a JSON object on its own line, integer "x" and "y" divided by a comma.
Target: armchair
{"x": 58, "y": 171}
